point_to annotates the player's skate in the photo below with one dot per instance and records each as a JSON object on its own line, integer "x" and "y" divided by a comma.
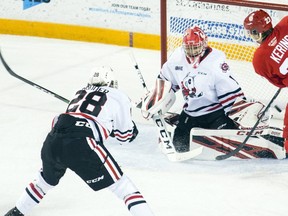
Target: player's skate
{"x": 14, "y": 212}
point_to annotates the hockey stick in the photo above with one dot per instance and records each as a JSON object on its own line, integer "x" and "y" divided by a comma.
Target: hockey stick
{"x": 168, "y": 147}
{"x": 138, "y": 72}
{"x": 11, "y": 72}
{"x": 236, "y": 150}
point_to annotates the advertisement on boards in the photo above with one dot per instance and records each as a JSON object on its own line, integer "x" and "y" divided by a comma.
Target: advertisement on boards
{"x": 130, "y": 15}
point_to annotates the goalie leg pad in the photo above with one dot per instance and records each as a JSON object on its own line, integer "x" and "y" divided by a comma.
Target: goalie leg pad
{"x": 285, "y": 130}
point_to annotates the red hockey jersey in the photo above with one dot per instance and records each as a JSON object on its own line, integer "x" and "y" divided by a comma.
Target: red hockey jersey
{"x": 271, "y": 57}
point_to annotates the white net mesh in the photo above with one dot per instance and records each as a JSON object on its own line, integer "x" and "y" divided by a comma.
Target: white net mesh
{"x": 223, "y": 26}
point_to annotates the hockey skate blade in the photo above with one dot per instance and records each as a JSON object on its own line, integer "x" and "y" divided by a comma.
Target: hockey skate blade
{"x": 176, "y": 156}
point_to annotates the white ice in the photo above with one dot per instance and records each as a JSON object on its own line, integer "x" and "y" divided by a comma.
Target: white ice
{"x": 226, "y": 188}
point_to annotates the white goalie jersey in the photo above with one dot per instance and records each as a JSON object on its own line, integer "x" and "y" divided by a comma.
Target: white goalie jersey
{"x": 207, "y": 88}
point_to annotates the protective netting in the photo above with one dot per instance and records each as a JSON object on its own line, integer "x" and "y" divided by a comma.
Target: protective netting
{"x": 228, "y": 35}
{"x": 223, "y": 24}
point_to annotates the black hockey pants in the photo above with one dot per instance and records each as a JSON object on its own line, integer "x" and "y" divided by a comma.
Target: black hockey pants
{"x": 215, "y": 120}
{"x": 71, "y": 144}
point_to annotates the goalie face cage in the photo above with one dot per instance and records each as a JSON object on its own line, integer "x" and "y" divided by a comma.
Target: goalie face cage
{"x": 222, "y": 21}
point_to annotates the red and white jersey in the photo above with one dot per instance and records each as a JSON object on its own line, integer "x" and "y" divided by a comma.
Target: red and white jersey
{"x": 208, "y": 88}
{"x": 271, "y": 57}
{"x": 108, "y": 108}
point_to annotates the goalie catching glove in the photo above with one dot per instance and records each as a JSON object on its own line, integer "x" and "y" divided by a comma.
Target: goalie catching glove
{"x": 158, "y": 101}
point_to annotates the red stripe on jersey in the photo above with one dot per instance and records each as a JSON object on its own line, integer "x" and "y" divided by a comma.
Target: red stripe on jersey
{"x": 231, "y": 98}
{"x": 214, "y": 108}
{"x": 225, "y": 101}
{"x": 123, "y": 136}
{"x": 35, "y": 191}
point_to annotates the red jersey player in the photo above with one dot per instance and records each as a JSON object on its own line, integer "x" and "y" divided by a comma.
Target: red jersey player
{"x": 271, "y": 57}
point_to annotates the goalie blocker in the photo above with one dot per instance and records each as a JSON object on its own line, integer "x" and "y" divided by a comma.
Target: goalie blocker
{"x": 159, "y": 101}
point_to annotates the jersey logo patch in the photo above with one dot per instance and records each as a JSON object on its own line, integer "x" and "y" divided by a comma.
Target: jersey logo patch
{"x": 189, "y": 89}
{"x": 224, "y": 67}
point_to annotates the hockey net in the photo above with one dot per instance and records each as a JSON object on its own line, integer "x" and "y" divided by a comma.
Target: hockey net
{"x": 223, "y": 24}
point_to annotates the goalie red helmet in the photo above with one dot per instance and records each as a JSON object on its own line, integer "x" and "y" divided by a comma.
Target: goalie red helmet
{"x": 194, "y": 44}
{"x": 256, "y": 24}
{"x": 103, "y": 76}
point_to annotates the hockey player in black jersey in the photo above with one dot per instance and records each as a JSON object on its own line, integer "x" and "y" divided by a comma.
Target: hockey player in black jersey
{"x": 76, "y": 141}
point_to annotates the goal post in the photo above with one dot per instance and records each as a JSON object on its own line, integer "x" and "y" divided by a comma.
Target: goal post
{"x": 222, "y": 21}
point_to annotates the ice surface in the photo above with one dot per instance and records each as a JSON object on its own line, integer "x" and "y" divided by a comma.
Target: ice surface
{"x": 226, "y": 188}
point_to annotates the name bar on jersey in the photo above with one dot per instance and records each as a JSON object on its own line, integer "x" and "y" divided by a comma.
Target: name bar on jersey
{"x": 280, "y": 49}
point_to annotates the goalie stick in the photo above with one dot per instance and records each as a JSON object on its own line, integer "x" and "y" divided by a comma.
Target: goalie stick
{"x": 11, "y": 72}
{"x": 138, "y": 72}
{"x": 168, "y": 147}
{"x": 236, "y": 150}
